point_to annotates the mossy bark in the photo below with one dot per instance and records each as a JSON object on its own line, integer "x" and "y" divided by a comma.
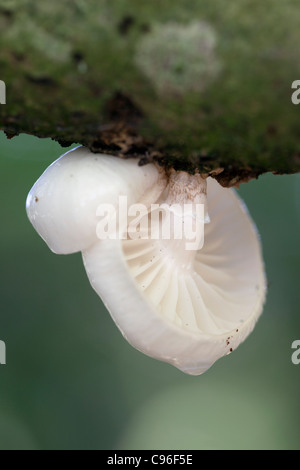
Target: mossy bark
{"x": 193, "y": 84}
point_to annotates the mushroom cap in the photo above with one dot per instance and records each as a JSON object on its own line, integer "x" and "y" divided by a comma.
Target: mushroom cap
{"x": 62, "y": 204}
{"x": 188, "y": 314}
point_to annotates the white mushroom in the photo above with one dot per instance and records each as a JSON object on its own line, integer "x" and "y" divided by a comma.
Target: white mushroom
{"x": 188, "y": 307}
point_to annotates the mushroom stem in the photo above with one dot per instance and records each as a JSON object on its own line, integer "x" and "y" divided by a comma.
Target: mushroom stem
{"x": 186, "y": 207}
{"x": 185, "y": 188}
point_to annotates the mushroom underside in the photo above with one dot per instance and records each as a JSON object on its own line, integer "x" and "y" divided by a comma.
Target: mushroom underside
{"x": 188, "y": 316}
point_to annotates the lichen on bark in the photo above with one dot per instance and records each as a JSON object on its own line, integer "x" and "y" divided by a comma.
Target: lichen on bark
{"x": 200, "y": 86}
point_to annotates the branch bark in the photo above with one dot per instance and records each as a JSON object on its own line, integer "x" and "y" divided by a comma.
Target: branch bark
{"x": 195, "y": 85}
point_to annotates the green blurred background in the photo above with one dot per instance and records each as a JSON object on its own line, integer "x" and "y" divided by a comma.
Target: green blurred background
{"x": 72, "y": 381}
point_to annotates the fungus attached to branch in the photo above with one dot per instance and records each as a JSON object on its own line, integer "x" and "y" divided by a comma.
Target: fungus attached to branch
{"x": 181, "y": 302}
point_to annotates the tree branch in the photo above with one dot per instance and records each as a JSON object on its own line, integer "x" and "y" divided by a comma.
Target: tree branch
{"x": 192, "y": 84}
